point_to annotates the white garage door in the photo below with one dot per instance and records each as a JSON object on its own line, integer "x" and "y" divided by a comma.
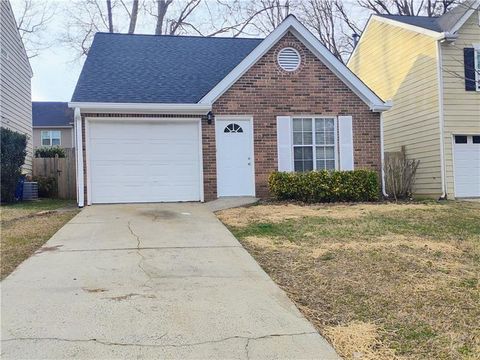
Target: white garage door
{"x": 467, "y": 166}
{"x": 135, "y": 161}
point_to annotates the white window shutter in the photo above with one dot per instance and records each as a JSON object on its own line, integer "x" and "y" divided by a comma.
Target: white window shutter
{"x": 284, "y": 143}
{"x": 346, "y": 142}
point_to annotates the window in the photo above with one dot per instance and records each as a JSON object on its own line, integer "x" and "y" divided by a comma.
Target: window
{"x": 288, "y": 59}
{"x": 460, "y": 139}
{"x": 233, "y": 128}
{"x": 476, "y": 139}
{"x": 51, "y": 138}
{"x": 313, "y": 144}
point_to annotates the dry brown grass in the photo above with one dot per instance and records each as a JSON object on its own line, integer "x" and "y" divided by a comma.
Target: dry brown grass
{"x": 25, "y": 229}
{"x": 378, "y": 281}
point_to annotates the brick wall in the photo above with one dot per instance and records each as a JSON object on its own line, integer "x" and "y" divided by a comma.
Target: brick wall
{"x": 265, "y": 91}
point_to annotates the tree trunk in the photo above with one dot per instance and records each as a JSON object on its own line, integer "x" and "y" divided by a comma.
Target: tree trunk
{"x": 162, "y": 6}
{"x": 133, "y": 17}
{"x": 110, "y": 19}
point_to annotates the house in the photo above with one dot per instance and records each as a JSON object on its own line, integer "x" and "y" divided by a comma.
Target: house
{"x": 52, "y": 124}
{"x": 184, "y": 118}
{"x": 430, "y": 68}
{"x": 15, "y": 81}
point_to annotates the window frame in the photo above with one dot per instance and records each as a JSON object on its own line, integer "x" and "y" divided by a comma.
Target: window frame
{"x": 476, "y": 65}
{"x": 314, "y": 145}
{"x": 50, "y": 137}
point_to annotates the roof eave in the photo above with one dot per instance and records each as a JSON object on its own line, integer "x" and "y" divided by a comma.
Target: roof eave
{"x": 142, "y": 108}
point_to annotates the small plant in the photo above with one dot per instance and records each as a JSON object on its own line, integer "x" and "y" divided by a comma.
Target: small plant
{"x": 47, "y": 186}
{"x": 400, "y": 175}
{"x": 49, "y": 152}
{"x": 13, "y": 146}
{"x": 325, "y": 186}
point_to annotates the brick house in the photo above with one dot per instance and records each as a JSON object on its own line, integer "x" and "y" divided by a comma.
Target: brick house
{"x": 181, "y": 118}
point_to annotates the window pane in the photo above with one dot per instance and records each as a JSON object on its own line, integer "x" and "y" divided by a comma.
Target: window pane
{"x": 45, "y": 142}
{"x": 330, "y": 165}
{"x": 320, "y": 153}
{"x": 460, "y": 139}
{"x": 319, "y": 125}
{"x": 297, "y": 124}
{"x": 299, "y": 166}
{"x": 297, "y": 153}
{"x": 307, "y": 138}
{"x": 476, "y": 139}
{"x": 330, "y": 152}
{"x": 329, "y": 125}
{"x": 307, "y": 124}
{"x": 307, "y": 153}
{"x": 320, "y": 164}
{"x": 297, "y": 138}
{"x": 320, "y": 138}
{"x": 56, "y": 134}
{"x": 55, "y": 142}
{"x": 330, "y": 138}
{"x": 45, "y": 135}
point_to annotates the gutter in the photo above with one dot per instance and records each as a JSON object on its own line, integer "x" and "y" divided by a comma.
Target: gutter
{"x": 382, "y": 156}
{"x": 79, "y": 156}
{"x": 387, "y": 105}
{"x": 441, "y": 119}
{"x": 164, "y": 108}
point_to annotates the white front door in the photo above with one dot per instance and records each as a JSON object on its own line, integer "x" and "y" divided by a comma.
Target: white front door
{"x": 467, "y": 165}
{"x": 235, "y": 167}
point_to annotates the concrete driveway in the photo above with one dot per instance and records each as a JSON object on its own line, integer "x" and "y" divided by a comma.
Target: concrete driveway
{"x": 150, "y": 281}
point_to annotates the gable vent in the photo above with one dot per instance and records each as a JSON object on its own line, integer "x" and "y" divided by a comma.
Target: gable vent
{"x": 288, "y": 59}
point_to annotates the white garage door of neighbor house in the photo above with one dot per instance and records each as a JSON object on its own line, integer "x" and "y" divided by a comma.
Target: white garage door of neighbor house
{"x": 136, "y": 161}
{"x": 467, "y": 165}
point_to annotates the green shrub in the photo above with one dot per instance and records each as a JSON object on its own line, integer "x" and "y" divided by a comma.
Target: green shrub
{"x": 47, "y": 186}
{"x": 49, "y": 152}
{"x": 13, "y": 152}
{"x": 325, "y": 186}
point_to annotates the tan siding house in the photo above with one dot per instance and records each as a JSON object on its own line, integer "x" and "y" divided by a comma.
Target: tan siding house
{"x": 15, "y": 81}
{"x": 419, "y": 64}
{"x": 52, "y": 124}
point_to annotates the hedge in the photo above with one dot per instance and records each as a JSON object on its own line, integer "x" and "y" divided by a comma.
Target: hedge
{"x": 49, "y": 152}
{"x": 325, "y": 186}
{"x": 13, "y": 145}
{"x": 47, "y": 186}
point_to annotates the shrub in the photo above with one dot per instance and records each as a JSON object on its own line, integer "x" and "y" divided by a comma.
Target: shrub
{"x": 13, "y": 152}
{"x": 400, "y": 174}
{"x": 47, "y": 186}
{"x": 49, "y": 152}
{"x": 325, "y": 186}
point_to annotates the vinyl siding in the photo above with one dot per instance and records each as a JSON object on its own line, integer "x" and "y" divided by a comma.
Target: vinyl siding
{"x": 15, "y": 81}
{"x": 401, "y": 65}
{"x": 461, "y": 107}
{"x": 66, "y": 140}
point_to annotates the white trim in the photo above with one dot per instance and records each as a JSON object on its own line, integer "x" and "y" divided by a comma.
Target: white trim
{"x": 476, "y": 61}
{"x": 187, "y": 109}
{"x": 142, "y": 119}
{"x": 382, "y": 157}
{"x": 53, "y": 127}
{"x": 315, "y": 46}
{"x": 79, "y": 157}
{"x": 453, "y": 165}
{"x": 248, "y": 118}
{"x": 441, "y": 122}
{"x": 465, "y": 17}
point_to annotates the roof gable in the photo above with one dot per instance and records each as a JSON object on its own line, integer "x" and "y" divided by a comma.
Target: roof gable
{"x": 48, "y": 114}
{"x": 157, "y": 68}
{"x": 291, "y": 24}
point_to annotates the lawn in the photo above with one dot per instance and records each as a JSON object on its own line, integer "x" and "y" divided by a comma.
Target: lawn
{"x": 379, "y": 281}
{"x": 27, "y": 226}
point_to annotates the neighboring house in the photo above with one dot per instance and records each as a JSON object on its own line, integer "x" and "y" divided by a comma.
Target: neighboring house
{"x": 52, "y": 124}
{"x": 183, "y": 118}
{"x": 15, "y": 81}
{"x": 430, "y": 68}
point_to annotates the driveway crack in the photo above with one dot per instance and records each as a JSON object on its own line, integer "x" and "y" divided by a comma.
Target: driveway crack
{"x": 139, "y": 253}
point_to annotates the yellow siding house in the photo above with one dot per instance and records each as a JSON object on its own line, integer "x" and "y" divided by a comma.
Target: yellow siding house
{"x": 430, "y": 69}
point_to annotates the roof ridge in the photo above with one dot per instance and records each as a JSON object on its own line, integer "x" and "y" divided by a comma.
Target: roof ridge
{"x": 181, "y": 36}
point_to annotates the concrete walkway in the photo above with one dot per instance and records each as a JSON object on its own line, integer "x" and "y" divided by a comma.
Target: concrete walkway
{"x": 150, "y": 281}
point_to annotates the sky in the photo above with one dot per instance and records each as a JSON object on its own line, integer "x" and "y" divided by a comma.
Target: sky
{"x": 56, "y": 69}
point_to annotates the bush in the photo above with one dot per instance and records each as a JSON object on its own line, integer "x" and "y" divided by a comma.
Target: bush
{"x": 13, "y": 152}
{"x": 49, "y": 152}
{"x": 325, "y": 186}
{"x": 47, "y": 186}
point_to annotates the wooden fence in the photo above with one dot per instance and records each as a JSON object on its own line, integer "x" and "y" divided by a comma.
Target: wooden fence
{"x": 63, "y": 169}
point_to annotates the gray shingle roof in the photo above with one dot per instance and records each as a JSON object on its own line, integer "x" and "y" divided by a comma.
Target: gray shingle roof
{"x": 420, "y": 21}
{"x": 157, "y": 69}
{"x": 51, "y": 114}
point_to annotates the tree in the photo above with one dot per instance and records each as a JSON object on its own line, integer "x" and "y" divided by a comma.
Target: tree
{"x": 33, "y": 17}
{"x": 408, "y": 7}
{"x": 13, "y": 154}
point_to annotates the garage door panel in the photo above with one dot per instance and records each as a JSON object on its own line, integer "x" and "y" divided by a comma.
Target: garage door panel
{"x": 467, "y": 168}
{"x": 144, "y": 162}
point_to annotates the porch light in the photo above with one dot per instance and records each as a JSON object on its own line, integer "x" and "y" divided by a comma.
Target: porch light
{"x": 210, "y": 117}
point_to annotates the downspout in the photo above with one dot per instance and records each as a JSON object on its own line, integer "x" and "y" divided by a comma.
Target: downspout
{"x": 382, "y": 156}
{"x": 79, "y": 156}
{"x": 441, "y": 121}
